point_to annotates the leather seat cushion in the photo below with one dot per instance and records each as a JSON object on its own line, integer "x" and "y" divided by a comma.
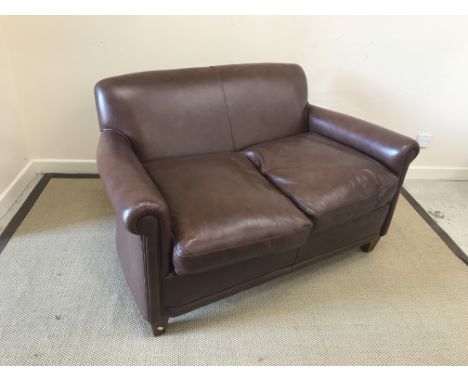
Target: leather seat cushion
{"x": 224, "y": 211}
{"x": 330, "y": 182}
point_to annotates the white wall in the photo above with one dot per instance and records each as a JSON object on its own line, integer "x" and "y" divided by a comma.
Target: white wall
{"x": 406, "y": 73}
{"x": 13, "y": 150}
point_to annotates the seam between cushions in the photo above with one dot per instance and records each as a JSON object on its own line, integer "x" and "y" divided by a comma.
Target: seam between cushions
{"x": 295, "y": 258}
{"x": 221, "y": 86}
{"x": 245, "y": 244}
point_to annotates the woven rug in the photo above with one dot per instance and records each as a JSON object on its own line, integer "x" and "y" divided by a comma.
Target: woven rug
{"x": 64, "y": 301}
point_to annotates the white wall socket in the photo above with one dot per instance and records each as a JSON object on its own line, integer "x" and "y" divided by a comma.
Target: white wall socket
{"x": 424, "y": 139}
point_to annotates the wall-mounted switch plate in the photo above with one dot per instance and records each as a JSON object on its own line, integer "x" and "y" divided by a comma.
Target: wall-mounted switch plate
{"x": 424, "y": 139}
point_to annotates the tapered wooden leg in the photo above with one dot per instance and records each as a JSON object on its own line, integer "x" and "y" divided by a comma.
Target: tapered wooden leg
{"x": 159, "y": 326}
{"x": 370, "y": 245}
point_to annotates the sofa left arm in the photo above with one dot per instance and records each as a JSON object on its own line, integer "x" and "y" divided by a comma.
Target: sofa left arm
{"x": 143, "y": 227}
{"x": 134, "y": 196}
{"x": 131, "y": 191}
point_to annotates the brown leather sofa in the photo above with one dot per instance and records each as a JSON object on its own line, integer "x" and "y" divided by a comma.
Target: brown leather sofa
{"x": 225, "y": 177}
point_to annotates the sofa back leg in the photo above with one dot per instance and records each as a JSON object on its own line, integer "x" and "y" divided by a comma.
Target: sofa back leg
{"x": 368, "y": 247}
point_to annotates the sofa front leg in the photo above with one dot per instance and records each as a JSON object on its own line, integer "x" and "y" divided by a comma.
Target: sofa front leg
{"x": 368, "y": 247}
{"x": 159, "y": 326}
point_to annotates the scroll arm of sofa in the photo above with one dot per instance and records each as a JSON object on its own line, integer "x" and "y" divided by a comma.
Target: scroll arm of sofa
{"x": 131, "y": 191}
{"x": 393, "y": 150}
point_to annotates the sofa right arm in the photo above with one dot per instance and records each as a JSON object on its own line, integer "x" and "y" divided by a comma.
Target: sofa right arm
{"x": 393, "y": 150}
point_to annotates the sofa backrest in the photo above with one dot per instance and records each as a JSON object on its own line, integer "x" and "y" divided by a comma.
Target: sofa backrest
{"x": 203, "y": 110}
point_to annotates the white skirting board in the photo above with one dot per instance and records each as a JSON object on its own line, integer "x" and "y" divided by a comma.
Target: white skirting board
{"x": 16, "y": 187}
{"x": 88, "y": 166}
{"x": 437, "y": 173}
{"x": 66, "y": 166}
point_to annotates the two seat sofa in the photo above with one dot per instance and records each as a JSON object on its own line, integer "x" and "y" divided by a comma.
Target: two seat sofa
{"x": 225, "y": 177}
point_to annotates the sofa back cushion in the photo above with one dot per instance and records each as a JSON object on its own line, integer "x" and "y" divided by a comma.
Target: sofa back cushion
{"x": 203, "y": 110}
{"x": 264, "y": 101}
{"x": 166, "y": 113}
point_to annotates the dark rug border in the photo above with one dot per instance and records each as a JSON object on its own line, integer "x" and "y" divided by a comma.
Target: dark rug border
{"x": 435, "y": 227}
{"x": 23, "y": 211}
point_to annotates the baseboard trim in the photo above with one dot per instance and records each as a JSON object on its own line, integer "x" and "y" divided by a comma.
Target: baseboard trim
{"x": 16, "y": 187}
{"x": 66, "y": 166}
{"x": 437, "y": 173}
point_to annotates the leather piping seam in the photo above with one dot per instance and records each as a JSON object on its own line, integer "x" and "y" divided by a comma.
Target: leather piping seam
{"x": 220, "y": 80}
{"x": 144, "y": 248}
{"x": 404, "y": 168}
{"x": 249, "y": 243}
{"x": 355, "y": 217}
{"x": 106, "y": 130}
{"x": 336, "y": 250}
{"x": 412, "y": 154}
{"x": 201, "y": 301}
{"x": 306, "y": 117}
{"x": 142, "y": 205}
{"x": 296, "y": 257}
{"x": 160, "y": 270}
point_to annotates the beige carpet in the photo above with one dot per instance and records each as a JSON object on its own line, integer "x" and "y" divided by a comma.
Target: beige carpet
{"x": 63, "y": 300}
